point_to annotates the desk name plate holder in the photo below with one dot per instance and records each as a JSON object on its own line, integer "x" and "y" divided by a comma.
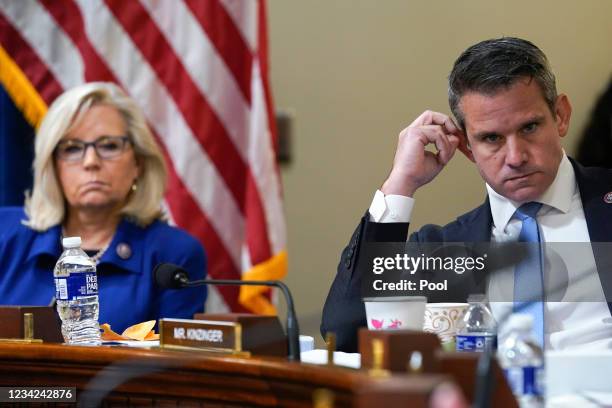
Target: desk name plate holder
{"x": 203, "y": 335}
{"x": 28, "y": 332}
{"x": 392, "y": 349}
{"x": 16, "y": 326}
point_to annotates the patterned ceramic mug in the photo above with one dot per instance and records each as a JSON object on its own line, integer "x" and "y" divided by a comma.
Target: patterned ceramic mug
{"x": 442, "y": 318}
{"x": 395, "y": 313}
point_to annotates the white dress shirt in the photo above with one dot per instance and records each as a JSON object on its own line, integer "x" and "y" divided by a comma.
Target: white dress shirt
{"x": 576, "y": 316}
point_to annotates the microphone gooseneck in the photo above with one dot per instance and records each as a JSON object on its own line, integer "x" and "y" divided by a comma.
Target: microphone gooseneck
{"x": 170, "y": 276}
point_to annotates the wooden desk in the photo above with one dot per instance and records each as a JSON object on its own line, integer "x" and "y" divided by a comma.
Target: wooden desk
{"x": 141, "y": 377}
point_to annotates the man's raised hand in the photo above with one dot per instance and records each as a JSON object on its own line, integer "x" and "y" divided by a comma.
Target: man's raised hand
{"x": 413, "y": 165}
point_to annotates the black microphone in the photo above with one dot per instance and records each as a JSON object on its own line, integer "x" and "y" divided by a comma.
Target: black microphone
{"x": 171, "y": 276}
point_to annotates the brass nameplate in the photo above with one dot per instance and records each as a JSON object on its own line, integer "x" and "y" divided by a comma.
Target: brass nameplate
{"x": 208, "y": 335}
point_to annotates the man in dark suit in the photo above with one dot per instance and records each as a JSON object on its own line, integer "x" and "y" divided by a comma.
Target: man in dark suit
{"x": 510, "y": 121}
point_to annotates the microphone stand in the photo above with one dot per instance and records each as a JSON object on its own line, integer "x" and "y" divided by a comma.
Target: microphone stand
{"x": 484, "y": 379}
{"x": 293, "y": 330}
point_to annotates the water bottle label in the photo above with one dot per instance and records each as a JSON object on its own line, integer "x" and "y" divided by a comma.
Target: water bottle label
{"x": 475, "y": 342}
{"x": 76, "y": 285}
{"x": 526, "y": 380}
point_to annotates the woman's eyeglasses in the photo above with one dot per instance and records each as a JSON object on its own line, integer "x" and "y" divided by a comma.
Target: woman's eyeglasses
{"x": 106, "y": 147}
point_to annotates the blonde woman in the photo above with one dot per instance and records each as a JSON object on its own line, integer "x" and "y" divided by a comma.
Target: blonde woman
{"x": 98, "y": 174}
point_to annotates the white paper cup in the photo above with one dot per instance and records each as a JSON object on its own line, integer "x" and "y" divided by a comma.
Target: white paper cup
{"x": 442, "y": 319}
{"x": 395, "y": 313}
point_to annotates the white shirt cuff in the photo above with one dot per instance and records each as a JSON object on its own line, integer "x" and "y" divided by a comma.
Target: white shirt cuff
{"x": 391, "y": 208}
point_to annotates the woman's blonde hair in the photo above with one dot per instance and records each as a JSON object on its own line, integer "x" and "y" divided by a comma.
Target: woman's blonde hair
{"x": 45, "y": 206}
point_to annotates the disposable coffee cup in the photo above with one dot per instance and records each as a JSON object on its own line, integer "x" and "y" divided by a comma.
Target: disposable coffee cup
{"x": 395, "y": 313}
{"x": 442, "y": 319}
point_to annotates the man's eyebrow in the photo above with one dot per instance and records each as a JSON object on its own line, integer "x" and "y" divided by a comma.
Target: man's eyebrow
{"x": 484, "y": 134}
{"x": 533, "y": 119}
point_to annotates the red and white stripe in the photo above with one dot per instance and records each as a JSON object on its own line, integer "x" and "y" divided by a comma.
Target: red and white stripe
{"x": 198, "y": 71}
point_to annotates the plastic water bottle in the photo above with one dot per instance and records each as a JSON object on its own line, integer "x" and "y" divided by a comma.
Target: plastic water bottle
{"x": 477, "y": 331}
{"x": 522, "y": 360}
{"x": 76, "y": 292}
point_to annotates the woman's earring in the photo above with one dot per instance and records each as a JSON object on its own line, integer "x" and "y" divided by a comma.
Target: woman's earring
{"x": 134, "y": 187}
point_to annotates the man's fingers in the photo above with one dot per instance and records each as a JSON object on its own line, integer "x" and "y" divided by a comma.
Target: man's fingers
{"x": 454, "y": 140}
{"x": 444, "y": 144}
{"x": 436, "y": 118}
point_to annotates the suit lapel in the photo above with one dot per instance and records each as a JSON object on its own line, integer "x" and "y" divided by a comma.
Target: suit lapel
{"x": 473, "y": 229}
{"x": 483, "y": 223}
{"x": 474, "y": 226}
{"x": 594, "y": 184}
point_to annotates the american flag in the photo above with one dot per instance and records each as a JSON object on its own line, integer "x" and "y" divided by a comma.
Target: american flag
{"x": 198, "y": 69}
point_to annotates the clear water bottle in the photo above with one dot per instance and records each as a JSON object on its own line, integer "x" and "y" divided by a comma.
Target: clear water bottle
{"x": 76, "y": 292}
{"x": 477, "y": 331}
{"x": 522, "y": 360}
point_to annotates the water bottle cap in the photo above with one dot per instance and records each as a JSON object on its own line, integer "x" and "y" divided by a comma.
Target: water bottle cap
{"x": 477, "y": 298}
{"x": 71, "y": 242}
{"x": 520, "y": 321}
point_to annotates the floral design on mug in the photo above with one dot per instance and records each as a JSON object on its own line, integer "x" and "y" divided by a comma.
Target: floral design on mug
{"x": 395, "y": 324}
{"x": 380, "y": 324}
{"x": 377, "y": 324}
{"x": 443, "y": 322}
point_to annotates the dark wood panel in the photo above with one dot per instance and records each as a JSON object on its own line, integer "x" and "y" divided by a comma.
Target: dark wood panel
{"x": 141, "y": 377}
{"x": 155, "y": 377}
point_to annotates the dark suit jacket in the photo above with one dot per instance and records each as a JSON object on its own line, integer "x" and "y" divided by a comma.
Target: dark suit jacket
{"x": 344, "y": 311}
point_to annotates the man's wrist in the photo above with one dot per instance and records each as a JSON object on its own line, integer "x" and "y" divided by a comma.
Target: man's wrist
{"x": 391, "y": 208}
{"x": 395, "y": 185}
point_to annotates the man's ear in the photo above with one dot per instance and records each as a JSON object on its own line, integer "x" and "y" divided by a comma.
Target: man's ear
{"x": 464, "y": 146}
{"x": 563, "y": 112}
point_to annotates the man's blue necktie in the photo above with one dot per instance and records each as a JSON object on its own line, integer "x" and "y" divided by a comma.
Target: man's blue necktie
{"x": 528, "y": 276}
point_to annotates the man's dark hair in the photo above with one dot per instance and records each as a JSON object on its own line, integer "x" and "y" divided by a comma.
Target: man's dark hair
{"x": 490, "y": 65}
